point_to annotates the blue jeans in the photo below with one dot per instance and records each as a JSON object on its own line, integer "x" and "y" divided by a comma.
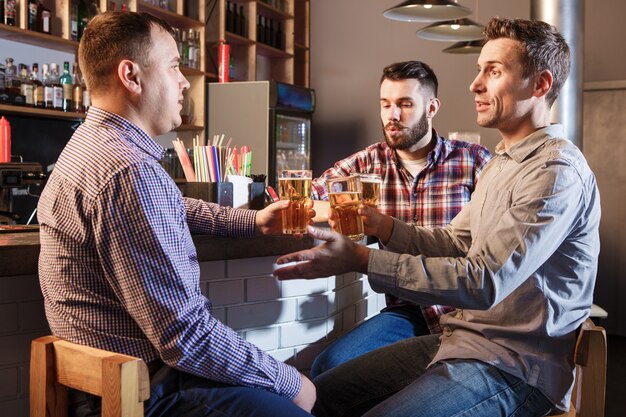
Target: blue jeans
{"x": 176, "y": 394}
{"x": 393, "y": 382}
{"x": 388, "y": 327}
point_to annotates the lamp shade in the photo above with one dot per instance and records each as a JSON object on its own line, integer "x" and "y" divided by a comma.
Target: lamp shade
{"x": 466, "y": 48}
{"x": 452, "y": 30}
{"x": 426, "y": 11}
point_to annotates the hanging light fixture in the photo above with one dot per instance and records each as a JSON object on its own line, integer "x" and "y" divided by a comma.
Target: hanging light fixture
{"x": 426, "y": 11}
{"x": 452, "y": 30}
{"x": 466, "y": 48}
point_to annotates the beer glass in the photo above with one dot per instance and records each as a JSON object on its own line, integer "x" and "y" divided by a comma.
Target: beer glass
{"x": 370, "y": 188}
{"x": 295, "y": 186}
{"x": 345, "y": 199}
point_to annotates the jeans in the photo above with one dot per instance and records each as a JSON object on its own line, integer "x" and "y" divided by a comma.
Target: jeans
{"x": 176, "y": 394}
{"x": 393, "y": 382}
{"x": 387, "y": 327}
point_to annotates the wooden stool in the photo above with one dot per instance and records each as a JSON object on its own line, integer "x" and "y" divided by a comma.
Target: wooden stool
{"x": 122, "y": 381}
{"x": 590, "y": 382}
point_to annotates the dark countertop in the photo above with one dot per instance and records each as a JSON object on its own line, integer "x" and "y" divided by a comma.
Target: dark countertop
{"x": 19, "y": 252}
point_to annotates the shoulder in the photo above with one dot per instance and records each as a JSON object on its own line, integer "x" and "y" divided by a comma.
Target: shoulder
{"x": 466, "y": 151}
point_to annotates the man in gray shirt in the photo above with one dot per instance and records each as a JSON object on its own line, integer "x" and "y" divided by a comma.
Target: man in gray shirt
{"x": 519, "y": 261}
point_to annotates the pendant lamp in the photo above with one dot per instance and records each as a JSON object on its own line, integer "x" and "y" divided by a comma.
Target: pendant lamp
{"x": 452, "y": 31}
{"x": 466, "y": 48}
{"x": 426, "y": 11}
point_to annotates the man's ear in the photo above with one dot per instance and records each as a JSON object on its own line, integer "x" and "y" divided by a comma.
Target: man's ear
{"x": 128, "y": 74}
{"x": 543, "y": 83}
{"x": 432, "y": 107}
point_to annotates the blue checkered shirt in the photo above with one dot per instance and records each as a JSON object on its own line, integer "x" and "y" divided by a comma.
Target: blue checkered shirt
{"x": 118, "y": 268}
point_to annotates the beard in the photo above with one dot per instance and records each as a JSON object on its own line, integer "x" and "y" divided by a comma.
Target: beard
{"x": 409, "y": 136}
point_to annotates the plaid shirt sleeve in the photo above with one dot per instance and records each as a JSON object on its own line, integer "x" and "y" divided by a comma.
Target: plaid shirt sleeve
{"x": 145, "y": 246}
{"x": 359, "y": 162}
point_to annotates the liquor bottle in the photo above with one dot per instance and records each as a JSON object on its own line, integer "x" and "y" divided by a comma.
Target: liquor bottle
{"x": 235, "y": 13}
{"x": 77, "y": 90}
{"x": 191, "y": 60}
{"x": 66, "y": 83}
{"x": 74, "y": 21}
{"x": 10, "y": 11}
{"x": 260, "y": 30}
{"x": 44, "y": 17}
{"x": 243, "y": 23}
{"x": 279, "y": 41}
{"x": 38, "y": 89}
{"x": 48, "y": 92}
{"x": 229, "y": 17}
{"x": 82, "y": 17}
{"x": 269, "y": 32}
{"x": 198, "y": 51}
{"x": 185, "y": 55}
{"x": 86, "y": 96}
{"x": 32, "y": 14}
{"x": 26, "y": 86}
{"x": 57, "y": 88}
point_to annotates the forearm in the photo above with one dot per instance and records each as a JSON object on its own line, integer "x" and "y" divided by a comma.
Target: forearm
{"x": 209, "y": 218}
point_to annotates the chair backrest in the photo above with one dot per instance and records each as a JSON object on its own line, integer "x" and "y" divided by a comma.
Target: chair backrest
{"x": 122, "y": 381}
{"x": 590, "y": 383}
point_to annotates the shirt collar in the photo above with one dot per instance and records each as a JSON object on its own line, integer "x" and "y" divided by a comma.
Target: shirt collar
{"x": 527, "y": 146}
{"x": 132, "y": 133}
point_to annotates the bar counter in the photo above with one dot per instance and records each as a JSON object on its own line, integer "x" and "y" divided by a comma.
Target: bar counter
{"x": 19, "y": 251}
{"x": 290, "y": 320}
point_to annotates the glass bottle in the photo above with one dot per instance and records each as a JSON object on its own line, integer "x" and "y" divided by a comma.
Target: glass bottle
{"x": 10, "y": 12}
{"x": 26, "y": 86}
{"x": 38, "y": 89}
{"x": 48, "y": 90}
{"x": 66, "y": 83}
{"x": 77, "y": 90}
{"x": 44, "y": 18}
{"x": 86, "y": 96}
{"x": 74, "y": 21}
{"x": 57, "y": 88}
{"x": 82, "y": 17}
{"x": 243, "y": 23}
{"x": 32, "y": 14}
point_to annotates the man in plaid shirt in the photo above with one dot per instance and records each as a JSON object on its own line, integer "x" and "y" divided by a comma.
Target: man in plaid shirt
{"x": 426, "y": 180}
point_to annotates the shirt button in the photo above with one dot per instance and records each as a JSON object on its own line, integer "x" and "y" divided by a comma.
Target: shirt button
{"x": 447, "y": 331}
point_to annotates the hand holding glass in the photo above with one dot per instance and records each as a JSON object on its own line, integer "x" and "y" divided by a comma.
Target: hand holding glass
{"x": 295, "y": 186}
{"x": 345, "y": 199}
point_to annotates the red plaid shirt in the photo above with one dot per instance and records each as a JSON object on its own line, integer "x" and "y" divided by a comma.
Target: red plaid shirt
{"x": 431, "y": 199}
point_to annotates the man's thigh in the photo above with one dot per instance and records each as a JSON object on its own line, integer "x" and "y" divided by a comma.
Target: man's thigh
{"x": 464, "y": 388}
{"x": 387, "y": 327}
{"x": 175, "y": 393}
{"x": 355, "y": 386}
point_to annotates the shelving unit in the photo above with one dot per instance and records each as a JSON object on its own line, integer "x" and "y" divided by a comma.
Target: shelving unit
{"x": 252, "y": 59}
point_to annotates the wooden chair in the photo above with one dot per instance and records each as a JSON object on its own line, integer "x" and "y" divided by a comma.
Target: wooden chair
{"x": 590, "y": 383}
{"x": 122, "y": 381}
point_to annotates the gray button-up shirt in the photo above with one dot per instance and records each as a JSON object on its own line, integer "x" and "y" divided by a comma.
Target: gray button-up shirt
{"x": 519, "y": 260}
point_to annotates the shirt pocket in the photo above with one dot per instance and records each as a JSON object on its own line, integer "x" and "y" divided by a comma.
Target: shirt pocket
{"x": 493, "y": 208}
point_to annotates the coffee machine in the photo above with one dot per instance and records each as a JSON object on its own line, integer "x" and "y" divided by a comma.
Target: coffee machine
{"x": 16, "y": 176}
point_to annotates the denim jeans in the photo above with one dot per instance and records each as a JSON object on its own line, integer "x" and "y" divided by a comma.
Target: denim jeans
{"x": 388, "y": 327}
{"x": 393, "y": 382}
{"x": 177, "y": 394}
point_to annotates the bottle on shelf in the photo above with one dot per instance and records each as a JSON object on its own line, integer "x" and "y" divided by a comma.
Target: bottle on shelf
{"x": 11, "y": 82}
{"x": 57, "y": 88}
{"x": 191, "y": 49}
{"x": 243, "y": 23}
{"x": 77, "y": 90}
{"x": 38, "y": 88}
{"x": 269, "y": 31}
{"x": 66, "y": 82}
{"x": 184, "y": 57}
{"x": 44, "y": 18}
{"x": 26, "y": 86}
{"x": 279, "y": 38}
{"x": 86, "y": 96}
{"x": 33, "y": 5}
{"x": 48, "y": 90}
{"x": 223, "y": 57}
{"x": 10, "y": 12}
{"x": 235, "y": 26}
{"x": 260, "y": 29}
{"x": 229, "y": 17}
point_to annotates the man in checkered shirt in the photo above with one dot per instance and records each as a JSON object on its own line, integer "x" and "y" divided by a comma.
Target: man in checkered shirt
{"x": 118, "y": 267}
{"x": 426, "y": 180}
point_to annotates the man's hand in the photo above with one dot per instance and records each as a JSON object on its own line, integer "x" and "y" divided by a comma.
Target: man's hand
{"x": 306, "y": 397}
{"x": 376, "y": 223}
{"x": 336, "y": 256}
{"x": 269, "y": 221}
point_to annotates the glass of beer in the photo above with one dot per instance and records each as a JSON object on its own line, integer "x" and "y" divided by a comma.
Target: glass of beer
{"x": 370, "y": 188}
{"x": 345, "y": 199}
{"x": 295, "y": 186}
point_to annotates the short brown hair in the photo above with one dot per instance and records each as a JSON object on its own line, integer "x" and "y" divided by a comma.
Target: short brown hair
{"x": 412, "y": 70}
{"x": 111, "y": 37}
{"x": 544, "y": 48}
